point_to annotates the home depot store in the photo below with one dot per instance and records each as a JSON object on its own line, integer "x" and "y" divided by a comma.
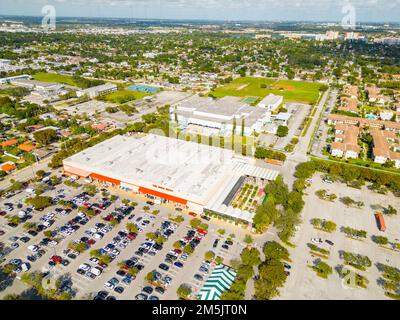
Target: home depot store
{"x": 152, "y": 192}
{"x": 184, "y": 173}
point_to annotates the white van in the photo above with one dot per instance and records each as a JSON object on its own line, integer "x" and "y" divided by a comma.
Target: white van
{"x": 29, "y": 190}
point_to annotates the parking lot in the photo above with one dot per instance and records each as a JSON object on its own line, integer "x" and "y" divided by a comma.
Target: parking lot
{"x": 109, "y": 246}
{"x": 303, "y": 283}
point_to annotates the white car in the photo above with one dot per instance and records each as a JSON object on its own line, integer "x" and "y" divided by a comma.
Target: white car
{"x": 98, "y": 236}
{"x": 84, "y": 267}
{"x": 48, "y": 223}
{"x": 96, "y": 271}
{"x": 22, "y": 214}
{"x": 115, "y": 252}
{"x": 33, "y": 248}
{"x": 52, "y": 243}
{"x": 316, "y": 240}
{"x": 109, "y": 285}
{"x": 89, "y": 233}
{"x": 94, "y": 260}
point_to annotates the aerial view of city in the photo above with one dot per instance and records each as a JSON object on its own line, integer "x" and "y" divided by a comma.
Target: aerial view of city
{"x": 199, "y": 151}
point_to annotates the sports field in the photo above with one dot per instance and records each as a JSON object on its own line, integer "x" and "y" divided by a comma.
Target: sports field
{"x": 292, "y": 91}
{"x": 57, "y": 78}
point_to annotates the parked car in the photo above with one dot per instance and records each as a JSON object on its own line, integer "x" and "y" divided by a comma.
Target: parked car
{"x": 198, "y": 277}
{"x": 163, "y": 266}
{"x": 148, "y": 290}
{"x": 329, "y": 242}
{"x": 215, "y": 244}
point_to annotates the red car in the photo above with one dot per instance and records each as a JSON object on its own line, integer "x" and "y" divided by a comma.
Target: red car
{"x": 3, "y": 213}
{"x": 178, "y": 251}
{"x": 131, "y": 237}
{"x": 202, "y": 231}
{"x": 192, "y": 214}
{"x": 91, "y": 242}
{"x": 87, "y": 204}
{"x": 56, "y": 259}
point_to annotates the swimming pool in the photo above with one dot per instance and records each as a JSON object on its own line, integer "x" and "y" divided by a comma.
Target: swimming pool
{"x": 142, "y": 88}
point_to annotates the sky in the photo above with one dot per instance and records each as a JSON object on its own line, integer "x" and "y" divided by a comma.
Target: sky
{"x": 260, "y": 10}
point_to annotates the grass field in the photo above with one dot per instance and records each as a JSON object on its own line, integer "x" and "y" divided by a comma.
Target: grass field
{"x": 57, "y": 78}
{"x": 292, "y": 91}
{"x": 124, "y": 96}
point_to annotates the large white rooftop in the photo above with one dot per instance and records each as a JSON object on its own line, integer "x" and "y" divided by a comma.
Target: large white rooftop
{"x": 219, "y": 110}
{"x": 191, "y": 170}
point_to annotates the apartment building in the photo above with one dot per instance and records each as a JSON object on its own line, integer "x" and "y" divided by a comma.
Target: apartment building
{"x": 334, "y": 119}
{"x": 349, "y": 105}
{"x": 385, "y": 146}
{"x": 346, "y": 142}
{"x": 351, "y": 91}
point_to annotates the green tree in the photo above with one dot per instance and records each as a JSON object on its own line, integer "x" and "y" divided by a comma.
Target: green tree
{"x": 275, "y": 251}
{"x": 188, "y": 249}
{"x": 183, "y": 291}
{"x": 322, "y": 269}
{"x": 248, "y": 239}
{"x": 209, "y": 255}
{"x": 282, "y": 131}
{"x": 40, "y": 174}
{"x": 44, "y": 137}
{"x": 131, "y": 227}
{"x": 381, "y": 240}
{"x": 195, "y": 223}
{"x": 250, "y": 256}
{"x": 391, "y": 211}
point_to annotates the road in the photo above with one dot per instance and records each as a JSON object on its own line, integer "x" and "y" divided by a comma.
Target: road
{"x": 25, "y": 173}
{"x": 299, "y": 155}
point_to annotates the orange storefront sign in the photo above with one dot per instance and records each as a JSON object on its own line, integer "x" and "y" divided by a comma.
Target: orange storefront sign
{"x": 104, "y": 178}
{"x": 162, "y": 195}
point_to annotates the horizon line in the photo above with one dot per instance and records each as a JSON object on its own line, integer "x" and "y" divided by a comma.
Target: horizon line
{"x": 204, "y": 20}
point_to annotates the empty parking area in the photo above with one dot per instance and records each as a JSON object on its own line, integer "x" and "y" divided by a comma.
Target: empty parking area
{"x": 303, "y": 283}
